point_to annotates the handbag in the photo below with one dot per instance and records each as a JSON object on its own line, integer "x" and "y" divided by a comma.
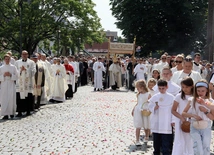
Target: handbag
{"x": 200, "y": 124}
{"x": 145, "y": 112}
{"x": 185, "y": 126}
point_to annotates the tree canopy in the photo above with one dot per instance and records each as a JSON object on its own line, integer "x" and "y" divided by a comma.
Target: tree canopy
{"x": 162, "y": 25}
{"x": 26, "y": 23}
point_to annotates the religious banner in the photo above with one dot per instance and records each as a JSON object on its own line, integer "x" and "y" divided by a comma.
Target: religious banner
{"x": 122, "y": 46}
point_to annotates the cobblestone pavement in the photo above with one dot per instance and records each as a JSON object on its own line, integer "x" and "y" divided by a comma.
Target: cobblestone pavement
{"x": 92, "y": 123}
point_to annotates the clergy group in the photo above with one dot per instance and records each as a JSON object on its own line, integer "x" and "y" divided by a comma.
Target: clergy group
{"x": 32, "y": 81}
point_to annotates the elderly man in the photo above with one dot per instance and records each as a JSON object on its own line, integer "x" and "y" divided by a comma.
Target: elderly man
{"x": 24, "y": 84}
{"x": 39, "y": 80}
{"x": 59, "y": 86}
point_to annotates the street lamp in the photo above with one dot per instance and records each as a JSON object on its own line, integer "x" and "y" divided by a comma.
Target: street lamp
{"x": 58, "y": 39}
{"x": 20, "y": 33}
{"x": 79, "y": 44}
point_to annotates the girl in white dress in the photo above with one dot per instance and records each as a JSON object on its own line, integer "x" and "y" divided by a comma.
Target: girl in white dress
{"x": 139, "y": 121}
{"x": 182, "y": 140}
{"x": 201, "y": 116}
{"x": 151, "y": 83}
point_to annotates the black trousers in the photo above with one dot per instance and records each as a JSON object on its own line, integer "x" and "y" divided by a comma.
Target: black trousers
{"x": 25, "y": 105}
{"x": 162, "y": 143}
{"x": 131, "y": 79}
{"x": 38, "y": 100}
{"x": 75, "y": 88}
{"x": 69, "y": 92}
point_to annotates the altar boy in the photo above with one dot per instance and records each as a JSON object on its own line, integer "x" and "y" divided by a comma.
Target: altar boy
{"x": 161, "y": 119}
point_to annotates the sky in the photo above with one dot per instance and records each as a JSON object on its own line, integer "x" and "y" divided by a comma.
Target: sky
{"x": 104, "y": 13}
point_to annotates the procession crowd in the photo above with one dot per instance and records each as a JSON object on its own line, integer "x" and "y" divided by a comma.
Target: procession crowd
{"x": 171, "y": 91}
{"x": 174, "y": 99}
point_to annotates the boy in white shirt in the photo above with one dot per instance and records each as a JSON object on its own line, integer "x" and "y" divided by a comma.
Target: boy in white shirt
{"x": 161, "y": 119}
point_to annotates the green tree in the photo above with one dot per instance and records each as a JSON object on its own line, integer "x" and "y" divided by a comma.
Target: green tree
{"x": 120, "y": 40}
{"x": 173, "y": 25}
{"x": 28, "y": 22}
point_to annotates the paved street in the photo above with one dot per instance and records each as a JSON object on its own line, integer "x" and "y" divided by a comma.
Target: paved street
{"x": 92, "y": 123}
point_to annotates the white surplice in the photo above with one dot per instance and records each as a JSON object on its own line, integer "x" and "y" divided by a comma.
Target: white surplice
{"x": 59, "y": 85}
{"x": 173, "y": 88}
{"x": 140, "y": 70}
{"x": 161, "y": 118}
{"x": 160, "y": 66}
{"x": 8, "y": 90}
{"x": 98, "y": 68}
{"x": 198, "y": 68}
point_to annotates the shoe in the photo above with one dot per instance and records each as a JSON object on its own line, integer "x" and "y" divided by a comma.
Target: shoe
{"x": 98, "y": 89}
{"x": 19, "y": 114}
{"x": 138, "y": 143}
{"x": 28, "y": 113}
{"x": 146, "y": 139}
{"x": 51, "y": 100}
{"x": 5, "y": 117}
{"x": 94, "y": 89}
{"x": 11, "y": 116}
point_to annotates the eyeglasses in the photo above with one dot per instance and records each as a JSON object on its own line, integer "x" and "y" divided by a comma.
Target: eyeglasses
{"x": 178, "y": 61}
{"x": 188, "y": 59}
{"x": 163, "y": 58}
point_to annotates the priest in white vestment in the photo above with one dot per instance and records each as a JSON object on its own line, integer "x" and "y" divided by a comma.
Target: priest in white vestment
{"x": 8, "y": 76}
{"x": 39, "y": 80}
{"x": 59, "y": 85}
{"x": 70, "y": 79}
{"x": 48, "y": 79}
{"x": 24, "y": 84}
{"x": 115, "y": 75}
{"x": 98, "y": 68}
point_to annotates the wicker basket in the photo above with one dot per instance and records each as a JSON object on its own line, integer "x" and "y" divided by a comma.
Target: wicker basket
{"x": 145, "y": 112}
{"x": 185, "y": 126}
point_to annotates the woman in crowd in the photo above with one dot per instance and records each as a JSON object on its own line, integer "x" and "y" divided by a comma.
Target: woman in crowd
{"x": 178, "y": 62}
{"x": 178, "y": 76}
